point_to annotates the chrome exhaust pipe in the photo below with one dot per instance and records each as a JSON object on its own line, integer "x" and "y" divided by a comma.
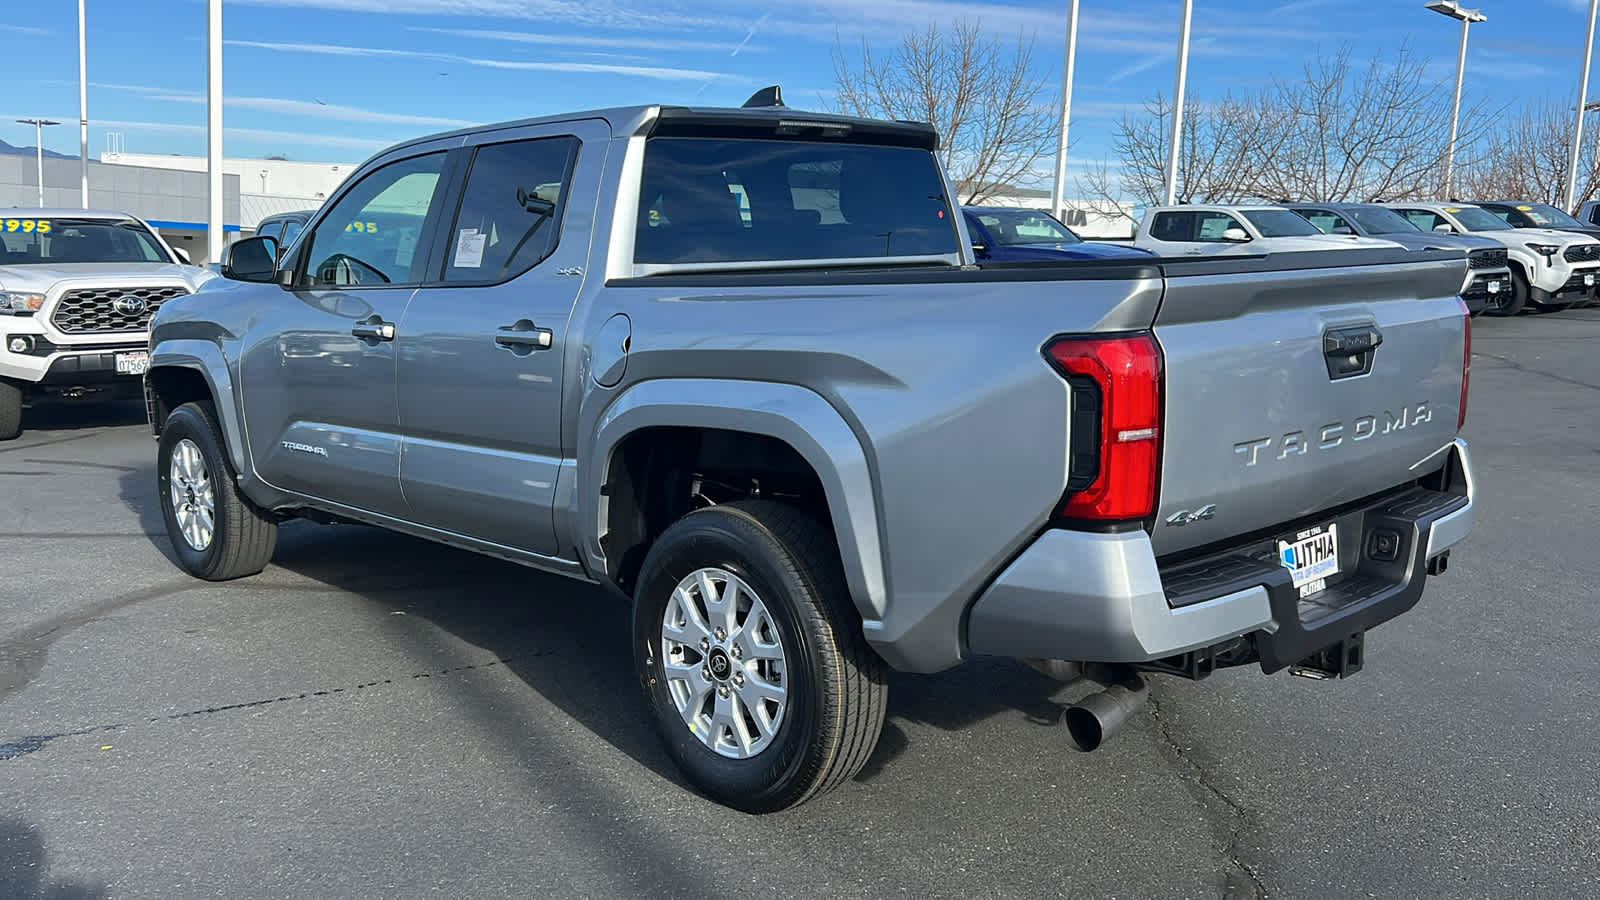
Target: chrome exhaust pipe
{"x": 1100, "y": 715}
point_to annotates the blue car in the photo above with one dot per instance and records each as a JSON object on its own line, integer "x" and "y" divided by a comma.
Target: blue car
{"x": 1012, "y": 234}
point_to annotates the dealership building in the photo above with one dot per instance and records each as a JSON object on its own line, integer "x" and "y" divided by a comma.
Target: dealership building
{"x": 170, "y": 192}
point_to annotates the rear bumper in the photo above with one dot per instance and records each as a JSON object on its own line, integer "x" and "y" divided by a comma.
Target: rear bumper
{"x": 1106, "y": 598}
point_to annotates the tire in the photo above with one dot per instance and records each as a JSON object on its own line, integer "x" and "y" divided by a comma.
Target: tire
{"x": 242, "y": 537}
{"x": 1516, "y": 301}
{"x": 834, "y": 688}
{"x": 10, "y": 411}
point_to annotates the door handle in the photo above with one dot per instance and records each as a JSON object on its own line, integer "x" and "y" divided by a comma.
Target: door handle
{"x": 524, "y": 337}
{"x": 374, "y": 329}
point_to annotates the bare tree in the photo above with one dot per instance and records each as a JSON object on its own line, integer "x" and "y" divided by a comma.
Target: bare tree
{"x": 1526, "y": 157}
{"x": 979, "y": 95}
{"x": 1337, "y": 132}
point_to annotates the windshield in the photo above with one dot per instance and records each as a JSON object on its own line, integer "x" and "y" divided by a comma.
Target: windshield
{"x": 1474, "y": 218}
{"x": 1542, "y": 215}
{"x": 53, "y": 241}
{"x": 1025, "y": 226}
{"x": 1280, "y": 223}
{"x": 1377, "y": 220}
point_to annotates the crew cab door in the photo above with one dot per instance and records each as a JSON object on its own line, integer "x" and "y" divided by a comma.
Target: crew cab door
{"x": 318, "y": 366}
{"x": 482, "y": 343}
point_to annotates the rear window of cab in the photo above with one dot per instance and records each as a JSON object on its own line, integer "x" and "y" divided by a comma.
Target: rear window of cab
{"x": 711, "y": 200}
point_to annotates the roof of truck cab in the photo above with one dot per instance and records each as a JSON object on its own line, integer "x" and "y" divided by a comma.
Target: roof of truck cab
{"x": 628, "y": 120}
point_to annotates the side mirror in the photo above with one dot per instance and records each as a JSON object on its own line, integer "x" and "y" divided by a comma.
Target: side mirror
{"x": 252, "y": 259}
{"x": 1343, "y": 229}
{"x": 1235, "y": 235}
{"x": 1444, "y": 227}
{"x": 182, "y": 255}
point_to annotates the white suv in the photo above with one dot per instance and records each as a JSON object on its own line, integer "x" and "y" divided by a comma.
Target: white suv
{"x": 1550, "y": 270}
{"x": 1207, "y": 230}
{"x": 77, "y": 290}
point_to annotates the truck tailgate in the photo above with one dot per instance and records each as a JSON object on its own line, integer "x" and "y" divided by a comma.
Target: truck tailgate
{"x": 1274, "y": 411}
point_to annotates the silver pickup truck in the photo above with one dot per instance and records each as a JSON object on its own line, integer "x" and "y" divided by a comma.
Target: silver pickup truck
{"x": 741, "y": 366}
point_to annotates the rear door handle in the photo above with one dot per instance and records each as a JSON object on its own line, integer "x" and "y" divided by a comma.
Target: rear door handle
{"x": 523, "y": 336}
{"x": 374, "y": 329}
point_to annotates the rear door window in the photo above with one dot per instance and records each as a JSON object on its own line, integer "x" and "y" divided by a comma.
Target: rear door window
{"x": 510, "y": 215}
{"x": 714, "y": 200}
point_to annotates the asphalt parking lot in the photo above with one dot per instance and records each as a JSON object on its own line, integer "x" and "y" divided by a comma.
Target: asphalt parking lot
{"x": 377, "y": 716}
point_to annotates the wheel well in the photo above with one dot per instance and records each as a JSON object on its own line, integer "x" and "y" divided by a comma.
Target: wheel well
{"x": 170, "y": 388}
{"x": 657, "y": 475}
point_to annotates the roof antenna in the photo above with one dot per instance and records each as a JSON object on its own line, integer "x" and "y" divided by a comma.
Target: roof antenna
{"x": 771, "y": 95}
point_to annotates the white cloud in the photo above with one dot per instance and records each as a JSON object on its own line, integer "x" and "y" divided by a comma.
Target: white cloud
{"x": 24, "y": 29}
{"x": 656, "y": 72}
{"x": 297, "y": 138}
{"x": 288, "y": 107}
{"x": 575, "y": 40}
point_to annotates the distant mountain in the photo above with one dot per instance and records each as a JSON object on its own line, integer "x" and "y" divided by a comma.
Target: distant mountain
{"x": 31, "y": 151}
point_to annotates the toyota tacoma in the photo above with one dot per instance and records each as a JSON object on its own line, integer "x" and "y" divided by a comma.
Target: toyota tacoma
{"x": 741, "y": 366}
{"x": 77, "y": 290}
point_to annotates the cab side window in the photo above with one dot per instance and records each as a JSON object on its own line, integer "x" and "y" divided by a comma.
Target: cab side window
{"x": 1173, "y": 226}
{"x": 371, "y": 235}
{"x": 1327, "y": 222}
{"x": 1212, "y": 225}
{"x": 510, "y": 215}
{"x": 1423, "y": 219}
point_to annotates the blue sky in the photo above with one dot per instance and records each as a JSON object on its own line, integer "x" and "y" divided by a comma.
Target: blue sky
{"x": 336, "y": 80}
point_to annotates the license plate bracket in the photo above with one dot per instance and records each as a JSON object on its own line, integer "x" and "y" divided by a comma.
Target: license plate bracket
{"x": 133, "y": 362}
{"x": 1311, "y": 556}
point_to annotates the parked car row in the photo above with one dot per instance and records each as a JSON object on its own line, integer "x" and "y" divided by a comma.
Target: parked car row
{"x": 1521, "y": 255}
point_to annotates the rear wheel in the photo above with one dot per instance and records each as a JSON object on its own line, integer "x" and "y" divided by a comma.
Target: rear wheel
{"x": 10, "y": 410}
{"x": 216, "y": 532}
{"x": 751, "y": 657}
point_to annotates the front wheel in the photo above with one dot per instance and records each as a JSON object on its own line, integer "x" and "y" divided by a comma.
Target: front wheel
{"x": 216, "y": 532}
{"x": 10, "y": 410}
{"x": 751, "y": 656}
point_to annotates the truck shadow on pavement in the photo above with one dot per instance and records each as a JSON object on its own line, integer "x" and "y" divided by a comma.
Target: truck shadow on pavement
{"x": 568, "y": 641}
{"x": 24, "y": 866}
{"x": 74, "y": 416}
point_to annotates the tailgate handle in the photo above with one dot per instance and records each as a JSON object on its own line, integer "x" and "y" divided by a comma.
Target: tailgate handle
{"x": 1349, "y": 350}
{"x": 1351, "y": 341}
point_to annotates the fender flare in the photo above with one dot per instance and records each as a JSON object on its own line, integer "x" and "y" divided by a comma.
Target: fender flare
{"x": 206, "y": 358}
{"x": 795, "y": 415}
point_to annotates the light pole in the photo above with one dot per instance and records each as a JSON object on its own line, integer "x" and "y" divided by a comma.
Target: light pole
{"x": 1177, "y": 103}
{"x": 83, "y": 109}
{"x": 214, "y": 129}
{"x": 1583, "y": 95}
{"x": 1059, "y": 201}
{"x": 38, "y": 146}
{"x": 1454, "y": 10}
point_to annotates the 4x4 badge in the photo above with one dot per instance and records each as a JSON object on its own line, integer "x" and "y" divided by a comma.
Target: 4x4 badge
{"x": 1183, "y": 516}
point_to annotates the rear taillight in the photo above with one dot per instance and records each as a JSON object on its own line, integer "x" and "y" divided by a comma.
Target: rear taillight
{"x": 1466, "y": 361}
{"x": 1117, "y": 389}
